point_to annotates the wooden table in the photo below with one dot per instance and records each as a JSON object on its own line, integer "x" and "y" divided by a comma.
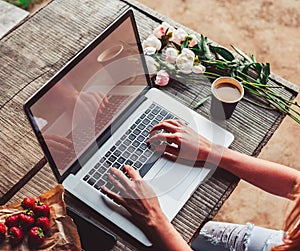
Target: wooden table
{"x": 32, "y": 53}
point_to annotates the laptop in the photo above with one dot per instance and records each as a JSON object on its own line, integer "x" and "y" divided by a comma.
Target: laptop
{"x": 96, "y": 112}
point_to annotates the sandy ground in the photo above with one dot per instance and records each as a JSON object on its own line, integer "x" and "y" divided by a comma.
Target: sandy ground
{"x": 270, "y": 31}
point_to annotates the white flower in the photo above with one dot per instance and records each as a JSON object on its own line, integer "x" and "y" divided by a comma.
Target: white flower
{"x": 185, "y": 61}
{"x": 194, "y": 40}
{"x": 161, "y": 30}
{"x": 152, "y": 65}
{"x": 152, "y": 41}
{"x": 171, "y": 55}
{"x": 179, "y": 35}
{"x": 149, "y": 50}
{"x": 162, "y": 78}
{"x": 199, "y": 69}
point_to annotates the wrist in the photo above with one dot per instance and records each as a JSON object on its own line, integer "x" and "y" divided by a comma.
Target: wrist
{"x": 213, "y": 153}
{"x": 157, "y": 221}
{"x": 164, "y": 236}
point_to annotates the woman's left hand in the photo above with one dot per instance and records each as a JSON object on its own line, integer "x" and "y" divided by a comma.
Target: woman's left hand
{"x": 141, "y": 202}
{"x": 135, "y": 195}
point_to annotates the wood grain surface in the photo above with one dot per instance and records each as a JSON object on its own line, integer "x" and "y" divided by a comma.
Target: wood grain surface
{"x": 31, "y": 54}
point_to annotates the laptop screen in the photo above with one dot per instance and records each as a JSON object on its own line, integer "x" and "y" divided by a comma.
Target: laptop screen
{"x": 89, "y": 93}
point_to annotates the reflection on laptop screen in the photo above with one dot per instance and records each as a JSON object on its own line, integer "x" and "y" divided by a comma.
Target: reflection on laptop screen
{"x": 82, "y": 104}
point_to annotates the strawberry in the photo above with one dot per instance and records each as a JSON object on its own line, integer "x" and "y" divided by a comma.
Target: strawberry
{"x": 15, "y": 235}
{"x": 41, "y": 209}
{"x": 12, "y": 221}
{"x": 43, "y": 222}
{"x": 2, "y": 231}
{"x": 26, "y": 219}
{"x": 36, "y": 236}
{"x": 28, "y": 203}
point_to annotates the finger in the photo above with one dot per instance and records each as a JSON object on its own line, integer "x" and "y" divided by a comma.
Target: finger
{"x": 170, "y": 157}
{"x": 98, "y": 97}
{"x": 57, "y": 145}
{"x": 101, "y": 100}
{"x": 166, "y": 125}
{"x": 121, "y": 177}
{"x": 173, "y": 121}
{"x": 118, "y": 186}
{"x": 82, "y": 107}
{"x": 115, "y": 197}
{"x": 133, "y": 174}
{"x": 164, "y": 137}
{"x": 93, "y": 100}
{"x": 92, "y": 104}
{"x": 180, "y": 122}
{"x": 58, "y": 139}
{"x": 169, "y": 149}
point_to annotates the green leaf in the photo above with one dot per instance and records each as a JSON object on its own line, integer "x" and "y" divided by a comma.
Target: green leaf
{"x": 238, "y": 51}
{"x": 224, "y": 53}
{"x": 253, "y": 58}
{"x": 203, "y": 45}
{"x": 176, "y": 46}
{"x": 201, "y": 102}
{"x": 258, "y": 67}
{"x": 265, "y": 73}
{"x": 219, "y": 64}
{"x": 185, "y": 44}
{"x": 197, "y": 51}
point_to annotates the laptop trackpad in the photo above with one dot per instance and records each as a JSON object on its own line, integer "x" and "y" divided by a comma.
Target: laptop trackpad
{"x": 177, "y": 179}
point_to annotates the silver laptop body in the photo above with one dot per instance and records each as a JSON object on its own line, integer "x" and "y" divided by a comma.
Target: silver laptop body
{"x": 96, "y": 112}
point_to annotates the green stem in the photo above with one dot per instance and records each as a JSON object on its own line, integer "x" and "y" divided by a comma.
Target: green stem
{"x": 212, "y": 74}
{"x": 259, "y": 105}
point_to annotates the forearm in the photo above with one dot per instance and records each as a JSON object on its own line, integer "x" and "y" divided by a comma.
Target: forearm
{"x": 269, "y": 176}
{"x": 165, "y": 237}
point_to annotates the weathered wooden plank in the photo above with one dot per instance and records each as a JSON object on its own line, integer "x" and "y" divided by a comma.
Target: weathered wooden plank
{"x": 10, "y": 17}
{"x": 47, "y": 53}
{"x": 19, "y": 150}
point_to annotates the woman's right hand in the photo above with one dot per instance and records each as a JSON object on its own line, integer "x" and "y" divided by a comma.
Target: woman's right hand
{"x": 177, "y": 140}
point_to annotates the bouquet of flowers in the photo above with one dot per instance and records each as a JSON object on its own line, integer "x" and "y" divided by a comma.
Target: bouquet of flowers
{"x": 172, "y": 53}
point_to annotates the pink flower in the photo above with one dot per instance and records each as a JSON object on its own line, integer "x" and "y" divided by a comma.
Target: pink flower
{"x": 162, "y": 29}
{"x": 193, "y": 41}
{"x": 162, "y": 78}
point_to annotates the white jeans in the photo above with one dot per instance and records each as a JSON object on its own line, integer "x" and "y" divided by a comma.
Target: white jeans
{"x": 220, "y": 236}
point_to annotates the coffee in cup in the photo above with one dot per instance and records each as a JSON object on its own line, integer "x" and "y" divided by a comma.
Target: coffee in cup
{"x": 226, "y": 93}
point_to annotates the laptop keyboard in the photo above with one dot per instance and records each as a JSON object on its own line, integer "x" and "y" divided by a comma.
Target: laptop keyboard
{"x": 131, "y": 149}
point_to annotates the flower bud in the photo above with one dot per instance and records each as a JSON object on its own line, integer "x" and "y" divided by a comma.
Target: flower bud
{"x": 193, "y": 41}
{"x": 199, "y": 69}
{"x": 162, "y": 78}
{"x": 152, "y": 65}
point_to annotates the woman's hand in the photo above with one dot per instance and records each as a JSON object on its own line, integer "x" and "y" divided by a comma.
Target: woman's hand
{"x": 58, "y": 145}
{"x": 142, "y": 203}
{"x": 135, "y": 195}
{"x": 87, "y": 103}
{"x": 179, "y": 141}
